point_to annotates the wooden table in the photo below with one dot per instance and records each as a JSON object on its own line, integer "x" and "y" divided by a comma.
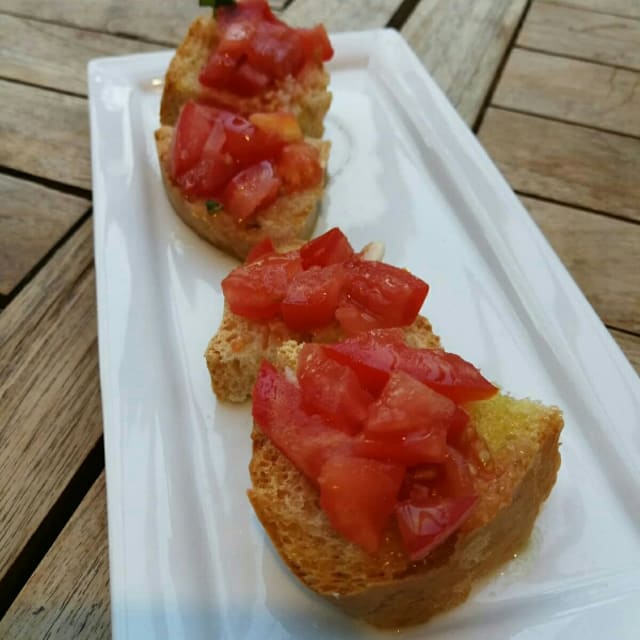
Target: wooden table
{"x": 550, "y": 86}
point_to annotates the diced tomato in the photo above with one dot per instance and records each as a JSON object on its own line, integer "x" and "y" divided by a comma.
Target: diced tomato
{"x": 316, "y": 44}
{"x": 329, "y": 248}
{"x": 253, "y": 188}
{"x": 332, "y": 389}
{"x": 426, "y": 523}
{"x": 359, "y": 496}
{"x": 246, "y": 143}
{"x": 446, "y": 373}
{"x": 405, "y": 407}
{"x": 218, "y": 69}
{"x": 391, "y": 296}
{"x": 312, "y": 298}
{"x": 282, "y": 125}
{"x": 299, "y": 166}
{"x": 262, "y": 249}
{"x": 458, "y": 424}
{"x": 191, "y": 133}
{"x": 355, "y": 319}
{"x": 207, "y": 177}
{"x": 411, "y": 450}
{"x": 307, "y": 440}
{"x": 256, "y": 290}
{"x": 275, "y": 50}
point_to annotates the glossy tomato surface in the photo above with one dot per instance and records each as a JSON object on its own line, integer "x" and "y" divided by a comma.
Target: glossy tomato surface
{"x": 331, "y": 247}
{"x": 251, "y": 189}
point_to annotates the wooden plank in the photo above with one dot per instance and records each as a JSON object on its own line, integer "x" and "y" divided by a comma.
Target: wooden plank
{"x": 45, "y": 134}
{"x": 564, "y": 162}
{"x": 50, "y": 414}
{"x": 68, "y": 594}
{"x": 582, "y": 34}
{"x": 163, "y": 21}
{"x": 603, "y": 256}
{"x": 581, "y": 92}
{"x": 630, "y": 344}
{"x": 53, "y": 56}
{"x": 32, "y": 219}
{"x": 338, "y": 15}
{"x": 462, "y": 44}
{"x": 626, "y": 8}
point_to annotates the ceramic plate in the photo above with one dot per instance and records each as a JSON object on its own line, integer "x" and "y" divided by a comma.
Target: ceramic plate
{"x": 188, "y": 557}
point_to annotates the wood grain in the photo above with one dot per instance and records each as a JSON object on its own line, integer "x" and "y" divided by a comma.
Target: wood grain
{"x": 163, "y": 21}
{"x": 582, "y": 34}
{"x": 462, "y": 44}
{"x": 68, "y": 595}
{"x": 630, "y": 344}
{"x": 45, "y": 134}
{"x": 53, "y": 56}
{"x": 338, "y": 15}
{"x": 603, "y": 256}
{"x": 50, "y": 416}
{"x": 582, "y": 92}
{"x": 627, "y": 8}
{"x": 568, "y": 163}
{"x": 32, "y": 220}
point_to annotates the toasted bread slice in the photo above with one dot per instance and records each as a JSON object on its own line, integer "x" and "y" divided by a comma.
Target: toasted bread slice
{"x": 235, "y": 352}
{"x": 305, "y": 96}
{"x": 387, "y": 589}
{"x": 290, "y": 217}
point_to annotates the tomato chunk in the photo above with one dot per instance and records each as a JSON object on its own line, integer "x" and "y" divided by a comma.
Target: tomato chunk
{"x": 299, "y": 166}
{"x": 316, "y": 44}
{"x": 426, "y": 523}
{"x": 332, "y": 390}
{"x": 191, "y": 132}
{"x": 256, "y": 290}
{"x": 283, "y": 125}
{"x": 307, "y": 440}
{"x": 411, "y": 450}
{"x": 359, "y": 496}
{"x": 329, "y": 248}
{"x": 254, "y": 188}
{"x": 390, "y": 297}
{"x": 312, "y": 298}
{"x": 262, "y": 249}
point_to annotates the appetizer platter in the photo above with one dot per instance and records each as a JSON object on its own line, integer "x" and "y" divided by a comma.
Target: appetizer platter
{"x": 188, "y": 556}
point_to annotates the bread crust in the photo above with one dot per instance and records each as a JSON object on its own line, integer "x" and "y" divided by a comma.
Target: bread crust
{"x": 290, "y": 217}
{"x": 386, "y": 589}
{"x": 306, "y": 96}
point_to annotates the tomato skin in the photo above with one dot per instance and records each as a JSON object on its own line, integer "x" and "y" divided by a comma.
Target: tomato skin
{"x": 411, "y": 450}
{"x": 392, "y": 297}
{"x": 256, "y": 290}
{"x": 315, "y": 43}
{"x": 407, "y": 406}
{"x": 253, "y": 188}
{"x": 329, "y": 248}
{"x": 312, "y": 298}
{"x": 425, "y": 523}
{"x": 307, "y": 440}
{"x": 191, "y": 132}
{"x": 359, "y": 496}
{"x": 332, "y": 390}
{"x": 299, "y": 167}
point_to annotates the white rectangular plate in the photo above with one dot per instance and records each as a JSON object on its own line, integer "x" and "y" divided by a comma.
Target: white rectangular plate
{"x": 188, "y": 558}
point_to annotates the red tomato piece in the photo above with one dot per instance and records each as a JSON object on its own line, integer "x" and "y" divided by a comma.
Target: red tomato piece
{"x": 256, "y": 290}
{"x": 391, "y": 296}
{"x": 191, "y": 133}
{"x": 261, "y": 250}
{"x": 359, "y": 496}
{"x": 218, "y": 69}
{"x": 299, "y": 166}
{"x": 406, "y": 406}
{"x": 411, "y": 450}
{"x": 332, "y": 390}
{"x": 312, "y": 298}
{"x": 426, "y": 523}
{"x": 307, "y": 440}
{"x": 329, "y": 248}
{"x": 275, "y": 50}
{"x": 316, "y": 44}
{"x": 253, "y": 188}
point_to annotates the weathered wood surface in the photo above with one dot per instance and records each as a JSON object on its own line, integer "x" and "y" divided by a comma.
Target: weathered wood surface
{"x": 582, "y": 92}
{"x": 626, "y": 8}
{"x": 572, "y": 164}
{"x": 462, "y": 44}
{"x": 630, "y": 345}
{"x": 45, "y": 134}
{"x": 603, "y": 256}
{"x": 32, "y": 219}
{"x": 582, "y": 34}
{"x": 50, "y": 416}
{"x": 338, "y": 15}
{"x": 53, "y": 56}
{"x": 68, "y": 594}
